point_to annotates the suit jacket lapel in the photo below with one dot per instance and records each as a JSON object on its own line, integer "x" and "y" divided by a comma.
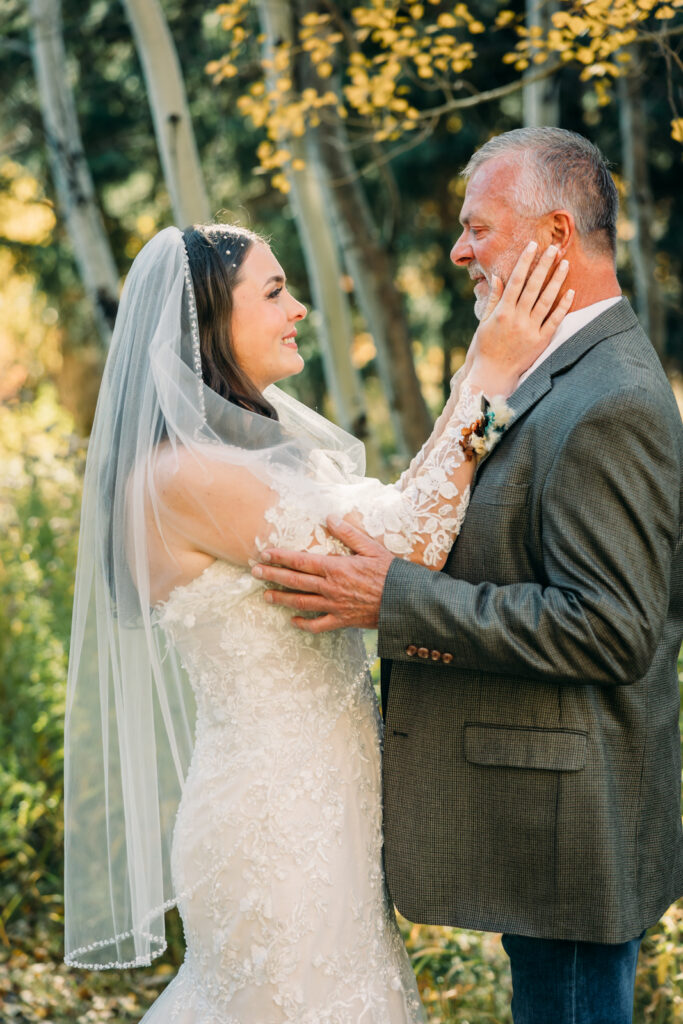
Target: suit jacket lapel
{"x": 615, "y": 320}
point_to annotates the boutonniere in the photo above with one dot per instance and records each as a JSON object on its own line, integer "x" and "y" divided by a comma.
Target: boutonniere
{"x": 483, "y": 435}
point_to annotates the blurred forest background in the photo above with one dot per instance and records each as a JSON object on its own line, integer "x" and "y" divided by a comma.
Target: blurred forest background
{"x": 338, "y": 129}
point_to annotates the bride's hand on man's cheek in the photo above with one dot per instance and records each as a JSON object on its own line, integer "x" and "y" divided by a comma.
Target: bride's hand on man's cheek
{"x": 522, "y": 322}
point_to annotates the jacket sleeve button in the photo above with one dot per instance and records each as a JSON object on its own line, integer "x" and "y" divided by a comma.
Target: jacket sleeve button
{"x": 411, "y": 649}
{"x": 446, "y": 658}
{"x": 436, "y": 655}
{"x": 423, "y": 652}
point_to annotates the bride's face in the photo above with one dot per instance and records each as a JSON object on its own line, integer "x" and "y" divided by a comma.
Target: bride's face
{"x": 264, "y": 320}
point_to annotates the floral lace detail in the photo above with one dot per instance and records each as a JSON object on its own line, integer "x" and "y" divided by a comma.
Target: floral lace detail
{"x": 277, "y": 851}
{"x": 435, "y": 436}
{"x": 423, "y": 511}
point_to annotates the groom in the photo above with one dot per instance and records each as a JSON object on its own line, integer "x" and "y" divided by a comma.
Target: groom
{"x": 532, "y": 753}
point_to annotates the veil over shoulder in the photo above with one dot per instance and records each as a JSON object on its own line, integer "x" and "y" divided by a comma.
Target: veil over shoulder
{"x": 130, "y": 709}
{"x": 177, "y": 473}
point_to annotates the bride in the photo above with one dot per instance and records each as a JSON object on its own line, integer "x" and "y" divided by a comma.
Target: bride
{"x": 217, "y": 758}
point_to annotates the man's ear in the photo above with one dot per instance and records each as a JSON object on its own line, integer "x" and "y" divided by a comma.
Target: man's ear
{"x": 562, "y": 230}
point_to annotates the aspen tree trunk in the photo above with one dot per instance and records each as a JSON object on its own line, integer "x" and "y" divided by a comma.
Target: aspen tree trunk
{"x": 634, "y": 135}
{"x": 371, "y": 269}
{"x": 321, "y": 254}
{"x": 72, "y": 179}
{"x": 170, "y": 112}
{"x": 541, "y": 105}
{"x": 380, "y": 301}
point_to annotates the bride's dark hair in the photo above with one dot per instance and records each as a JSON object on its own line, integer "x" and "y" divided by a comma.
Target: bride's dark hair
{"x": 216, "y": 253}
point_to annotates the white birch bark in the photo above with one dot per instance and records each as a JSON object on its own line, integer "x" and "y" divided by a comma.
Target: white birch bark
{"x": 322, "y": 256}
{"x": 372, "y": 271}
{"x": 73, "y": 182}
{"x": 540, "y": 98}
{"x": 640, "y": 206}
{"x": 170, "y": 111}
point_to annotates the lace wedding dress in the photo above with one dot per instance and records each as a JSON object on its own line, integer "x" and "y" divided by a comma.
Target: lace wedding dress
{"x": 277, "y": 852}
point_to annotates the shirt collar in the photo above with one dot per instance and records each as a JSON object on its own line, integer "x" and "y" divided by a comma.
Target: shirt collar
{"x": 572, "y": 323}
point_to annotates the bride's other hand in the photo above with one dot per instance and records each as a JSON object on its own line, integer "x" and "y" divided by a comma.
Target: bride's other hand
{"x": 518, "y": 322}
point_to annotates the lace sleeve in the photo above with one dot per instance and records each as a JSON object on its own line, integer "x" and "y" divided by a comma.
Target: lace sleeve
{"x": 418, "y": 461}
{"x": 417, "y": 519}
{"x": 224, "y": 503}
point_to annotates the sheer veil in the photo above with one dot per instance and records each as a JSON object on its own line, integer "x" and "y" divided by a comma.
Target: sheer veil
{"x": 130, "y": 709}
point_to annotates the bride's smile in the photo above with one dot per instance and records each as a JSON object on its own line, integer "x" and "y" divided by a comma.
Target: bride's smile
{"x": 264, "y": 320}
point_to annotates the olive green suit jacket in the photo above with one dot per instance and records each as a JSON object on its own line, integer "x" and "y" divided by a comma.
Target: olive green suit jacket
{"x": 532, "y": 773}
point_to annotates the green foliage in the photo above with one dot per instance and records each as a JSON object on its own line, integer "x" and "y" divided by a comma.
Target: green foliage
{"x": 464, "y": 977}
{"x": 38, "y": 530}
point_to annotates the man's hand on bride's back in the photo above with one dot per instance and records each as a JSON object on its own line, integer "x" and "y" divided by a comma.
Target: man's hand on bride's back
{"x": 342, "y": 590}
{"x": 519, "y": 321}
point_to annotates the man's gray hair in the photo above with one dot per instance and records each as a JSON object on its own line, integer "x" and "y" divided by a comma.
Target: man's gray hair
{"x": 560, "y": 170}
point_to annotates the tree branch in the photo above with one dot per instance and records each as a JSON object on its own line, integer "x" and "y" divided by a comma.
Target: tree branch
{"x": 658, "y": 37}
{"x": 493, "y": 94}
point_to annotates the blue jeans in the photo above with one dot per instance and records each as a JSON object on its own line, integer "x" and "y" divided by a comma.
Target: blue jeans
{"x": 555, "y": 982}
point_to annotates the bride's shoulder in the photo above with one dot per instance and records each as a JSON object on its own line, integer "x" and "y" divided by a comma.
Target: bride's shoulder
{"x": 175, "y": 472}
{"x": 207, "y": 474}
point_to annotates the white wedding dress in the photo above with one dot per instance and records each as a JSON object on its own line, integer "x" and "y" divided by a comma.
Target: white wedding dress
{"x": 277, "y": 851}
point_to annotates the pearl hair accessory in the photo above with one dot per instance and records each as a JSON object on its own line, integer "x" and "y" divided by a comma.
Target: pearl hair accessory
{"x": 194, "y": 327}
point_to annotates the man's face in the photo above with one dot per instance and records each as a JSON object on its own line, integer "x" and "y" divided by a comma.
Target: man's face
{"x": 494, "y": 234}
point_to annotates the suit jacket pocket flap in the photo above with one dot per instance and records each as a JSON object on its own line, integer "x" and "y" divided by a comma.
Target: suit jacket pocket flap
{"x": 558, "y": 750}
{"x": 500, "y": 494}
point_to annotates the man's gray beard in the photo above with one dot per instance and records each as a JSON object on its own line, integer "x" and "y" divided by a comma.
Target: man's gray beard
{"x": 480, "y": 306}
{"x": 502, "y": 268}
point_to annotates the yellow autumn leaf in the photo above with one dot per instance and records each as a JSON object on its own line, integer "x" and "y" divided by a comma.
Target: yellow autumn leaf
{"x": 577, "y": 26}
{"x": 279, "y": 182}
{"x": 504, "y": 18}
{"x": 664, "y": 961}
{"x": 677, "y": 129}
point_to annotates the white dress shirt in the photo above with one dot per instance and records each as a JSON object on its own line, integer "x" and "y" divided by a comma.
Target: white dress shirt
{"x": 572, "y": 323}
